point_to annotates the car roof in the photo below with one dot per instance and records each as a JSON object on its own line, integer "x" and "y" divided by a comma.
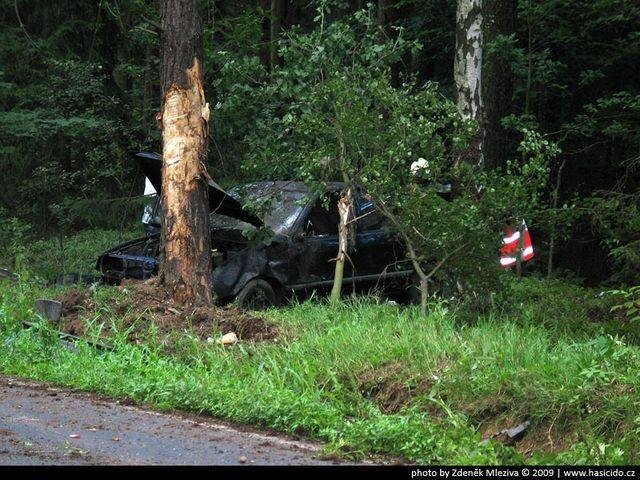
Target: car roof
{"x": 293, "y": 185}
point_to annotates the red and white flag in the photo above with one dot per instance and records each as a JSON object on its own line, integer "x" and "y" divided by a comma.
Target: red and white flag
{"x": 511, "y": 244}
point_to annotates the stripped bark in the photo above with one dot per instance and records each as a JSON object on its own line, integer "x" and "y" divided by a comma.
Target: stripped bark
{"x": 468, "y": 73}
{"x": 345, "y": 209}
{"x": 186, "y": 265}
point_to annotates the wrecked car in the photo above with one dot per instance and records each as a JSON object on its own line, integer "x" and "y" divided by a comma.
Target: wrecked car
{"x": 296, "y": 257}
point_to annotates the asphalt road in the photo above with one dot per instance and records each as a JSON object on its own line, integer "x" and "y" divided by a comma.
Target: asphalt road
{"x": 46, "y": 425}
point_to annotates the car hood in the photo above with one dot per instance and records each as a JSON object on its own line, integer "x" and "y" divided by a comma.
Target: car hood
{"x": 220, "y": 202}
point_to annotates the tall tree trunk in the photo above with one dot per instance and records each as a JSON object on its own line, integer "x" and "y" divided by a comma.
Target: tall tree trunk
{"x": 500, "y": 17}
{"x": 186, "y": 239}
{"x": 527, "y": 92}
{"x": 553, "y": 227}
{"x": 148, "y": 101}
{"x": 382, "y": 6}
{"x": 468, "y": 73}
{"x": 277, "y": 12}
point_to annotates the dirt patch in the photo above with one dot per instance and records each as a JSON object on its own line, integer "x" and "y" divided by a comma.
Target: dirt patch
{"x": 139, "y": 305}
{"x": 390, "y": 386}
{"x": 74, "y": 305}
{"x": 488, "y": 408}
{"x": 539, "y": 438}
{"x": 495, "y": 413}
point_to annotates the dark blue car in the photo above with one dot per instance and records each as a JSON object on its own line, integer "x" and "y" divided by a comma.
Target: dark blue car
{"x": 296, "y": 257}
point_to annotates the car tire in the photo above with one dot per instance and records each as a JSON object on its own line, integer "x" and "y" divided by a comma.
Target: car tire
{"x": 257, "y": 294}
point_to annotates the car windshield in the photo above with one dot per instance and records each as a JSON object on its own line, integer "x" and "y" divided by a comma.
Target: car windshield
{"x": 278, "y": 204}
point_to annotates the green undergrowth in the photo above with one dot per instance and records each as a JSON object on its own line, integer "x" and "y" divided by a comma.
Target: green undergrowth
{"x": 43, "y": 259}
{"x": 372, "y": 377}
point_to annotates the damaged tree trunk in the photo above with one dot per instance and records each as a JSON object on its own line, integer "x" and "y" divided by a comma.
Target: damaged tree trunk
{"x": 346, "y": 226}
{"x": 345, "y": 209}
{"x": 186, "y": 265}
{"x": 555, "y": 196}
{"x": 468, "y": 73}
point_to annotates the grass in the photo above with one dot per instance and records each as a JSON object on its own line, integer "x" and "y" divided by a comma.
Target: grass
{"x": 370, "y": 377}
{"x": 46, "y": 258}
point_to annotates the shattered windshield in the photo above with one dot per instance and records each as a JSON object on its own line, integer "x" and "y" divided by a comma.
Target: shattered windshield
{"x": 278, "y": 204}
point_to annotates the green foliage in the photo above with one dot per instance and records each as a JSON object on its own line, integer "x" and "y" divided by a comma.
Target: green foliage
{"x": 34, "y": 257}
{"x": 570, "y": 82}
{"x": 564, "y": 307}
{"x": 616, "y": 216}
{"x": 630, "y": 302}
{"x": 13, "y": 237}
{"x": 597, "y": 452}
{"x": 79, "y": 87}
{"x": 330, "y": 112}
{"x": 71, "y": 112}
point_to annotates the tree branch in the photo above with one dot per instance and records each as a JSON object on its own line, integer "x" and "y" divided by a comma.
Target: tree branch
{"x": 22, "y": 25}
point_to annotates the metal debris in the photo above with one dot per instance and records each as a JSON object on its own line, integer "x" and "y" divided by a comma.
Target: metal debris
{"x": 49, "y": 309}
{"x": 511, "y": 433}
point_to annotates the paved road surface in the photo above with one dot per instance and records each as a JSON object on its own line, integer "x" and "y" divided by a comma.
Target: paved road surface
{"x": 45, "y": 425}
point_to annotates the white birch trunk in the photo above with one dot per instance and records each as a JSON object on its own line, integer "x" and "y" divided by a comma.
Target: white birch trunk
{"x": 468, "y": 70}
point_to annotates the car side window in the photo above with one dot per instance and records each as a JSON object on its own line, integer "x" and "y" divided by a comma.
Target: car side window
{"x": 323, "y": 220}
{"x": 369, "y": 218}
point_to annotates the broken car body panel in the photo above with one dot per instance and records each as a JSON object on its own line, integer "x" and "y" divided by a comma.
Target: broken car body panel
{"x": 219, "y": 200}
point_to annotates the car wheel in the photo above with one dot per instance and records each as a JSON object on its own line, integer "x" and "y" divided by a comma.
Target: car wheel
{"x": 257, "y": 295}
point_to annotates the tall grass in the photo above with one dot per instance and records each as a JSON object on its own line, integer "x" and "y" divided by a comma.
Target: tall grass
{"x": 46, "y": 258}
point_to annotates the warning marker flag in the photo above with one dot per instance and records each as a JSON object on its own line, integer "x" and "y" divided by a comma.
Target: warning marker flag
{"x": 511, "y": 244}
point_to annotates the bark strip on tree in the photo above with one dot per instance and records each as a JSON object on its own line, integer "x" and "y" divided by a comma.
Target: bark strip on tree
{"x": 187, "y": 263}
{"x": 345, "y": 209}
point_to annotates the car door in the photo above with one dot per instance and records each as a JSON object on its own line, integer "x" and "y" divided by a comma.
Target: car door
{"x": 315, "y": 247}
{"x": 378, "y": 253}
